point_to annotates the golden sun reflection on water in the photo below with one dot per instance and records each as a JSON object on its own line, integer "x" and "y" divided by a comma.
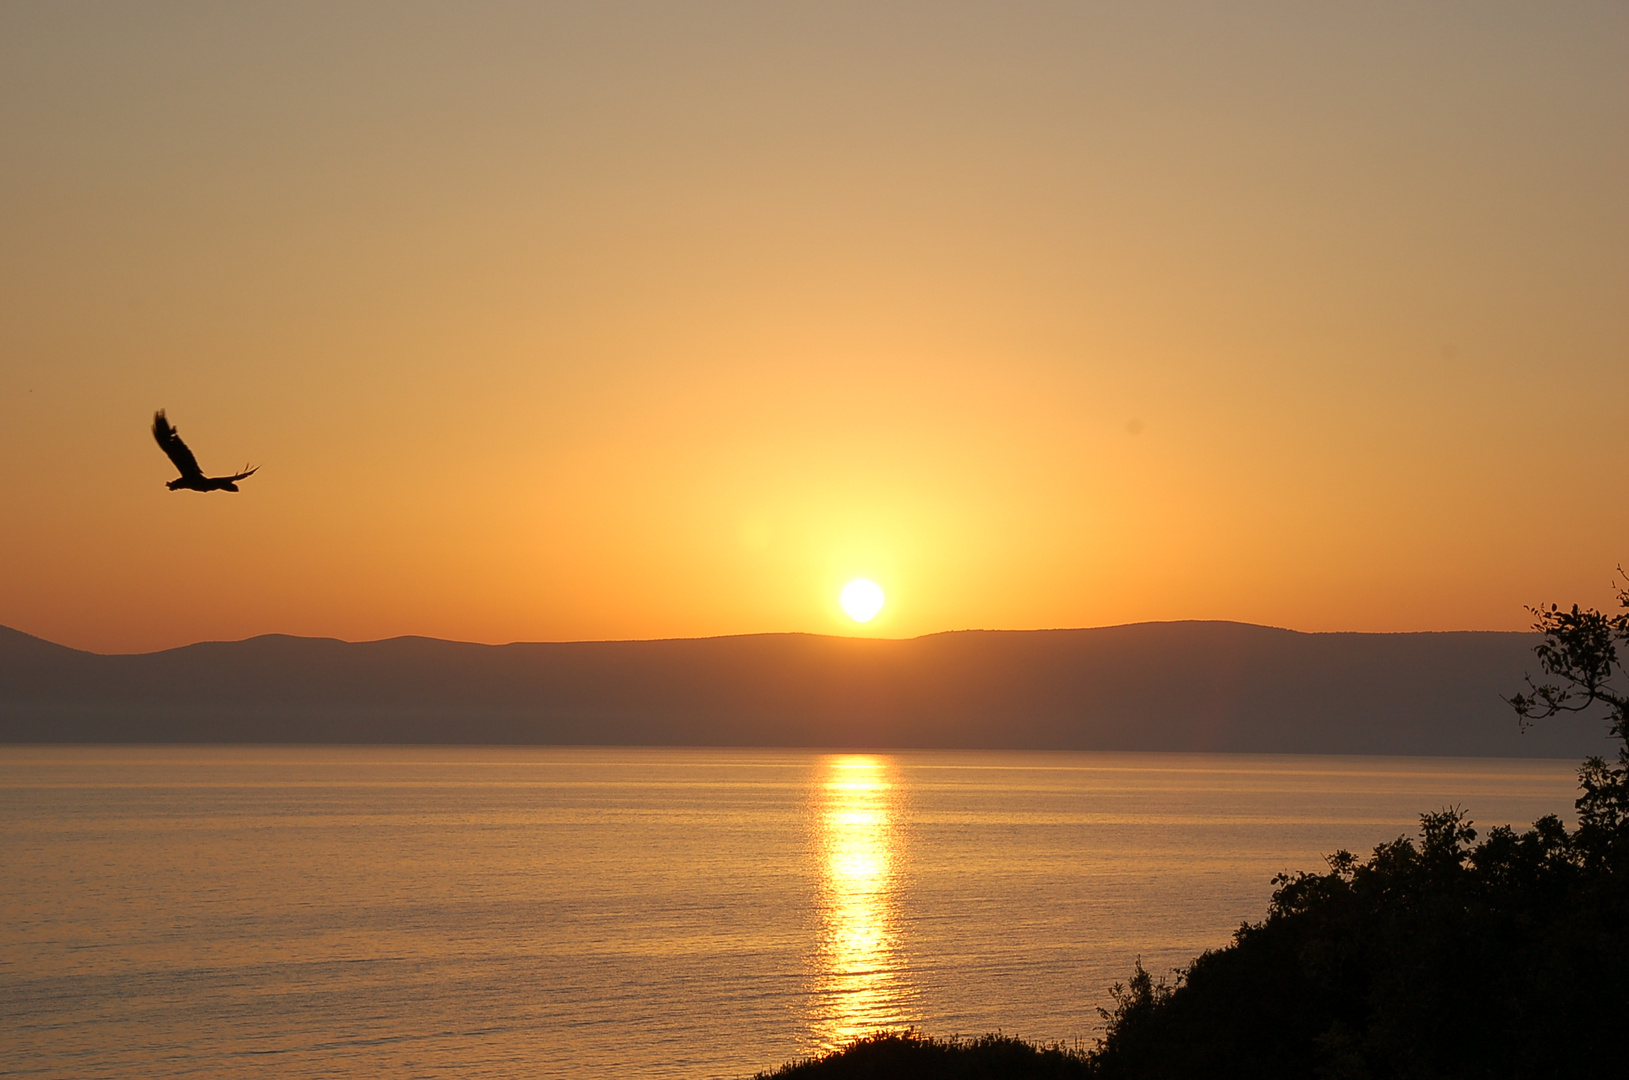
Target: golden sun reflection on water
{"x": 860, "y": 980}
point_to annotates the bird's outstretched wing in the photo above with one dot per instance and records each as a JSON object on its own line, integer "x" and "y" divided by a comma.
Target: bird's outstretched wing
{"x": 239, "y": 476}
{"x": 174, "y": 448}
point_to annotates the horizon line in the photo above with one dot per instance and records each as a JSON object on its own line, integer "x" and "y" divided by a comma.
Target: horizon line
{"x": 758, "y": 634}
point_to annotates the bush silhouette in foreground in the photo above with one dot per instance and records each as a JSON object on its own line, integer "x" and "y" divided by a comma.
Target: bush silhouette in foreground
{"x": 905, "y": 1055}
{"x": 1434, "y": 958}
{"x": 1441, "y": 958}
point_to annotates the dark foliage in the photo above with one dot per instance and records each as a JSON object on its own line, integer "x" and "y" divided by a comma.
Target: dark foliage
{"x": 1441, "y": 958}
{"x": 1580, "y": 649}
{"x": 1437, "y": 958}
{"x": 905, "y": 1055}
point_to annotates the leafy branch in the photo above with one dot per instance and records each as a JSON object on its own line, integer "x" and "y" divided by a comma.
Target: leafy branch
{"x": 1580, "y": 650}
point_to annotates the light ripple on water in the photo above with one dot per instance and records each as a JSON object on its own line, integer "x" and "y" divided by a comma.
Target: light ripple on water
{"x": 551, "y": 912}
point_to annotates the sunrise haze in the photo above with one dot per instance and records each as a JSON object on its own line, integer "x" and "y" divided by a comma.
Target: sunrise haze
{"x": 624, "y": 321}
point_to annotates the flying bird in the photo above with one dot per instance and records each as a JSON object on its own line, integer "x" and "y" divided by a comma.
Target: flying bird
{"x": 192, "y": 477}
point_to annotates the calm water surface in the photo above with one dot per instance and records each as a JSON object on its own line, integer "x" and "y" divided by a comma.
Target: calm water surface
{"x": 524, "y": 912}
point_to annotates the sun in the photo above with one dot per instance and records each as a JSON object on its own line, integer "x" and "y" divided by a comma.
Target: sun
{"x": 862, "y": 599}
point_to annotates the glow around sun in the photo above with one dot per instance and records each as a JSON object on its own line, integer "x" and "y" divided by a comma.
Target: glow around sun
{"x": 862, "y": 599}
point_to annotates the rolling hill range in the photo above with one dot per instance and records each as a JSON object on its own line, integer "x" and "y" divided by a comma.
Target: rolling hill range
{"x": 1183, "y": 686}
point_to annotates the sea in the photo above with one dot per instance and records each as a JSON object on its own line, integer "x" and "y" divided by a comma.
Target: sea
{"x": 638, "y": 913}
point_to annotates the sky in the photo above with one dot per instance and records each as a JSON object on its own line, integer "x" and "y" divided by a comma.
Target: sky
{"x": 606, "y": 320}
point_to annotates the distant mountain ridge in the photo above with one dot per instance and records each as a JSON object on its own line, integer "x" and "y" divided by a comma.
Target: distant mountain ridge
{"x": 1177, "y": 686}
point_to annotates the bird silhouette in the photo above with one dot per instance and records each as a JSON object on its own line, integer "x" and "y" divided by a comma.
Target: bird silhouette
{"x": 192, "y": 477}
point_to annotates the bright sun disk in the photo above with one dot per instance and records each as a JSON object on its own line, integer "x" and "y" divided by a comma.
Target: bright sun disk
{"x": 862, "y": 599}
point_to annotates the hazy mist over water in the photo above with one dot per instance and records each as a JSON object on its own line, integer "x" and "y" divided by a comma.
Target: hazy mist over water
{"x": 549, "y": 912}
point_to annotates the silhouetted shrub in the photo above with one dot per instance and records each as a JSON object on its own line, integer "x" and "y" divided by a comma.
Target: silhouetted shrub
{"x": 1442, "y": 958}
{"x": 905, "y": 1055}
{"x": 1430, "y": 959}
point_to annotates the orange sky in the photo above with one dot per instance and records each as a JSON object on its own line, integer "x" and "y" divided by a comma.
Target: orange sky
{"x": 609, "y": 321}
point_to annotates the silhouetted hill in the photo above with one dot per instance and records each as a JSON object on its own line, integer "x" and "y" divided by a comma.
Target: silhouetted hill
{"x": 1197, "y": 686}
